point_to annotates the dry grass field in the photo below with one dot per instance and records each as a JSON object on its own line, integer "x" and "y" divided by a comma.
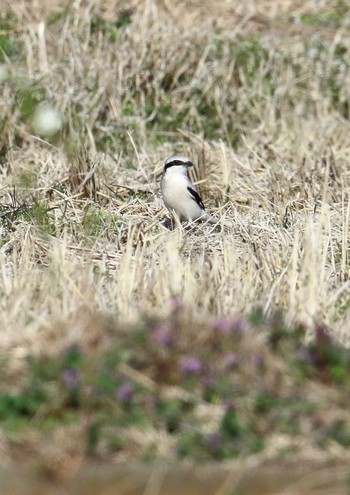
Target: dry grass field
{"x": 123, "y": 341}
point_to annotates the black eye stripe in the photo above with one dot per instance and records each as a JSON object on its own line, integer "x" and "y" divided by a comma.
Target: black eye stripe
{"x": 176, "y": 162}
{"x": 173, "y": 163}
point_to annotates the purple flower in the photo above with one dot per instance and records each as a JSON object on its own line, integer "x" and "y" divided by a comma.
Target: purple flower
{"x": 308, "y": 356}
{"x": 213, "y": 442}
{"x": 163, "y": 336}
{"x": 191, "y": 365}
{"x": 239, "y": 325}
{"x": 209, "y": 383}
{"x": 227, "y": 325}
{"x": 257, "y": 360}
{"x": 125, "y": 392}
{"x": 231, "y": 360}
{"x": 229, "y": 405}
{"x": 175, "y": 304}
{"x": 222, "y": 325}
{"x": 70, "y": 378}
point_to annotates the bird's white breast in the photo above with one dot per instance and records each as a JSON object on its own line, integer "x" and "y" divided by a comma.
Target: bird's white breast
{"x": 177, "y": 197}
{"x": 174, "y": 189}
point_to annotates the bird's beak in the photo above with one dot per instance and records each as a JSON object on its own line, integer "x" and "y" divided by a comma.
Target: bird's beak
{"x": 189, "y": 164}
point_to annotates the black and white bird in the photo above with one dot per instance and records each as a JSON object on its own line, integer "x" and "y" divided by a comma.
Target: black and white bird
{"x": 179, "y": 194}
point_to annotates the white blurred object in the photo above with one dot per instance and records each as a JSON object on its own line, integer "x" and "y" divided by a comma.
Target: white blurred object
{"x": 47, "y": 120}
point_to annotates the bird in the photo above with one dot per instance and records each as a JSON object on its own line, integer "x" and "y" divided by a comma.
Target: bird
{"x": 179, "y": 194}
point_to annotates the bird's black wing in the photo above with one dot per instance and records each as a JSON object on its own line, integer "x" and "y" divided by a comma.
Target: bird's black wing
{"x": 196, "y": 197}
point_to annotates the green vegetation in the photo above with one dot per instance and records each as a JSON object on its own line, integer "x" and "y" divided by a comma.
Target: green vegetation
{"x": 111, "y": 388}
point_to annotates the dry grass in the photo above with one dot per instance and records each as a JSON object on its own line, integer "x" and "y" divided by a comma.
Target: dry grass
{"x": 96, "y": 236}
{"x": 257, "y": 96}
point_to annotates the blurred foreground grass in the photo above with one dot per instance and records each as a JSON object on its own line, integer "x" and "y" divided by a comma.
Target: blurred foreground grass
{"x": 166, "y": 390}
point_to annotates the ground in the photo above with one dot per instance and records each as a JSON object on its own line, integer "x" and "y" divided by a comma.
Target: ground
{"x": 123, "y": 341}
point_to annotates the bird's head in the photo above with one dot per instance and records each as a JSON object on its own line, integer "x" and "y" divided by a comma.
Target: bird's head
{"x": 177, "y": 164}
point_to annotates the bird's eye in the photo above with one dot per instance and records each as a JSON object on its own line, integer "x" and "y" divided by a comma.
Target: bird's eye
{"x": 175, "y": 162}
